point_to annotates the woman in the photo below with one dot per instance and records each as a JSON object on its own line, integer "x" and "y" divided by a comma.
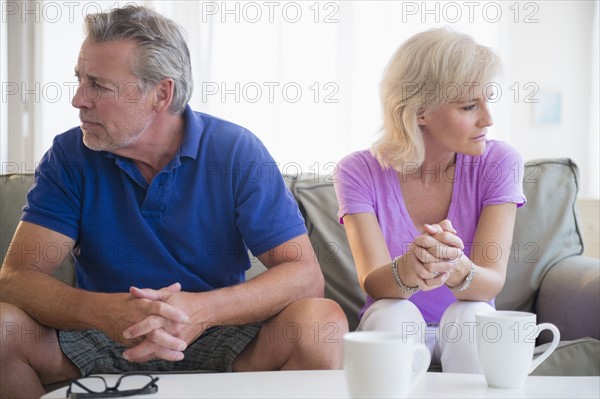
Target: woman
{"x": 429, "y": 211}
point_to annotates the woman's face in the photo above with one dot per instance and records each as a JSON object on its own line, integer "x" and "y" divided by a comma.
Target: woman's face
{"x": 460, "y": 126}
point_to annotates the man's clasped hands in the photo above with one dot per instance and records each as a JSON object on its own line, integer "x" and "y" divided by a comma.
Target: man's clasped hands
{"x": 155, "y": 324}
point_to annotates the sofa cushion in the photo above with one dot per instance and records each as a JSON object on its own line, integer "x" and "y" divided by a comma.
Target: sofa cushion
{"x": 569, "y": 298}
{"x": 571, "y": 358}
{"x": 318, "y": 203}
{"x": 546, "y": 230}
{"x": 13, "y": 190}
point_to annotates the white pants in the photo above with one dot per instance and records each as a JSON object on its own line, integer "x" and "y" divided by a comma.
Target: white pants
{"x": 452, "y": 343}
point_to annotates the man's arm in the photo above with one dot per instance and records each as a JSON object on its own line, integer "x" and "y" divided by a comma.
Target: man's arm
{"x": 293, "y": 274}
{"x": 26, "y": 281}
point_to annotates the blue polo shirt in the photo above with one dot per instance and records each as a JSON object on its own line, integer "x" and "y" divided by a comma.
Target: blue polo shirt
{"x": 221, "y": 195}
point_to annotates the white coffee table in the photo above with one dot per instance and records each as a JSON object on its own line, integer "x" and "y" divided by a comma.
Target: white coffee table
{"x": 331, "y": 384}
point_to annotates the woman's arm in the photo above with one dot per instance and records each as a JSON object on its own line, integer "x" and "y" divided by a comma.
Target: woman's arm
{"x": 490, "y": 252}
{"x": 374, "y": 264}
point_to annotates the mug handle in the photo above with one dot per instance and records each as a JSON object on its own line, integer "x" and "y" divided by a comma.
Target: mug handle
{"x": 422, "y": 353}
{"x": 555, "y": 339}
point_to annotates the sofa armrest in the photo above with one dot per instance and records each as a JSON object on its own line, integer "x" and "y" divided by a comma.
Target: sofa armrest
{"x": 569, "y": 297}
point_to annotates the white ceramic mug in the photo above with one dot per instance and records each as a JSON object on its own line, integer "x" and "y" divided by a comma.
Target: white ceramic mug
{"x": 380, "y": 364}
{"x": 505, "y": 342}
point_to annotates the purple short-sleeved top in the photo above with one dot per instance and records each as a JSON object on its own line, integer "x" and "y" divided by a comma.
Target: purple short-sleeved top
{"x": 363, "y": 186}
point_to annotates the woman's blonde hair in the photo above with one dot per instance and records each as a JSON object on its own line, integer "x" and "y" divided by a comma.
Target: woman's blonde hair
{"x": 429, "y": 70}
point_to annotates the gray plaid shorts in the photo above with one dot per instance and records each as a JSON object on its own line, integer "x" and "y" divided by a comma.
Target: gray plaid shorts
{"x": 93, "y": 352}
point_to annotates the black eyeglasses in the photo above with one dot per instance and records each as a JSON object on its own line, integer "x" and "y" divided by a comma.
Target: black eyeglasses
{"x": 126, "y": 385}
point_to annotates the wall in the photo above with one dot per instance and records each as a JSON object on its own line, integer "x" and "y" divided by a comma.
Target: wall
{"x": 555, "y": 55}
{"x": 588, "y": 214}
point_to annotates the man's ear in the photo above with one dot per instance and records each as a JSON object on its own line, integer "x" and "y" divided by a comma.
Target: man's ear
{"x": 163, "y": 94}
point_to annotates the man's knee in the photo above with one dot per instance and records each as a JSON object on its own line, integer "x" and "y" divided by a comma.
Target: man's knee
{"x": 18, "y": 329}
{"x": 12, "y": 319}
{"x": 315, "y": 328}
{"x": 316, "y": 319}
{"x": 307, "y": 334}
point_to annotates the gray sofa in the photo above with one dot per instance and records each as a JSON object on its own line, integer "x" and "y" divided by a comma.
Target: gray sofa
{"x": 547, "y": 274}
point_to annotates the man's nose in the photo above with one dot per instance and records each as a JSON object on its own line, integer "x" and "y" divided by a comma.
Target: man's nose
{"x": 80, "y": 99}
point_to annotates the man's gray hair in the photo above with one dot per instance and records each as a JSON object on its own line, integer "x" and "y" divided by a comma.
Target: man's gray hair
{"x": 162, "y": 51}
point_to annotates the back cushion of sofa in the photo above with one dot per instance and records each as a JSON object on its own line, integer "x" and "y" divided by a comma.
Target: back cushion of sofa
{"x": 318, "y": 204}
{"x": 13, "y": 192}
{"x": 546, "y": 230}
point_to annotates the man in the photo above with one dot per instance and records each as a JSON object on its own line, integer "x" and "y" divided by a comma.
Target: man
{"x": 159, "y": 205}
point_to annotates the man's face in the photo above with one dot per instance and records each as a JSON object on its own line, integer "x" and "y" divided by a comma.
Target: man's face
{"x": 113, "y": 109}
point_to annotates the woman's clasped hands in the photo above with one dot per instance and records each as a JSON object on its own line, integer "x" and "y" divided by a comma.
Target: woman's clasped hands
{"x": 435, "y": 257}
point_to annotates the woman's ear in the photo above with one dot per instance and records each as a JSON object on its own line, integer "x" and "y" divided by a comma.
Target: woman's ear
{"x": 421, "y": 116}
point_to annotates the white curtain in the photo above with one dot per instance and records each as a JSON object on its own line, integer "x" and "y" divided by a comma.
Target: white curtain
{"x": 304, "y": 75}
{"x": 594, "y": 134}
{"x": 3, "y": 103}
